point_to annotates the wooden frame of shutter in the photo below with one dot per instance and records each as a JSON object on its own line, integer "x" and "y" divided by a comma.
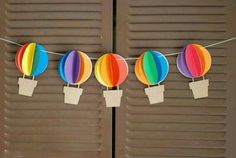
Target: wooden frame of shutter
{"x": 154, "y": 24}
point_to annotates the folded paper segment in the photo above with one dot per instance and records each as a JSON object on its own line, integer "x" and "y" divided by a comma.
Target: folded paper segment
{"x": 139, "y": 71}
{"x": 194, "y": 61}
{"x": 86, "y": 68}
{"x": 123, "y": 68}
{"x": 97, "y": 71}
{"x": 61, "y": 67}
{"x": 111, "y": 70}
{"x": 72, "y": 95}
{"x": 72, "y": 67}
{"x": 155, "y": 94}
{"x": 182, "y": 66}
{"x": 19, "y": 57}
{"x": 27, "y": 61}
{"x": 161, "y": 64}
{"x": 106, "y": 71}
{"x": 150, "y": 69}
{"x": 26, "y": 86}
{"x": 40, "y": 61}
{"x": 199, "y": 88}
{"x": 205, "y": 58}
{"x": 113, "y": 97}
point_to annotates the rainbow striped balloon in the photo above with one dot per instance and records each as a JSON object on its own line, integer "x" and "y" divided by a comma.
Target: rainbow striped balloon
{"x": 75, "y": 67}
{"x": 194, "y": 61}
{"x": 151, "y": 67}
{"x": 111, "y": 70}
{"x": 31, "y": 59}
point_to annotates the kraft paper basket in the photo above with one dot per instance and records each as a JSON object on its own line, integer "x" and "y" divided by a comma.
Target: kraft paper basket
{"x": 113, "y": 97}
{"x": 26, "y": 86}
{"x": 155, "y": 94}
{"x": 72, "y": 95}
{"x": 199, "y": 88}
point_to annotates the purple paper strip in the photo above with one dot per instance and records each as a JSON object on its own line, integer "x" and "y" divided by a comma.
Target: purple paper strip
{"x": 182, "y": 65}
{"x": 71, "y": 68}
{"x": 76, "y": 67}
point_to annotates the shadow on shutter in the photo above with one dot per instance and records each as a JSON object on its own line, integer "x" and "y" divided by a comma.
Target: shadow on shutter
{"x": 181, "y": 126}
{"x": 42, "y": 126}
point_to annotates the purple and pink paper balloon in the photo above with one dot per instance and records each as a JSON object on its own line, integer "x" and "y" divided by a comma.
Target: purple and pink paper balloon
{"x": 194, "y": 61}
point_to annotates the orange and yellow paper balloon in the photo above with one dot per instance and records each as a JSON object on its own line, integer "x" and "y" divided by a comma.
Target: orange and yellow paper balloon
{"x": 194, "y": 61}
{"x": 111, "y": 70}
{"x": 31, "y": 59}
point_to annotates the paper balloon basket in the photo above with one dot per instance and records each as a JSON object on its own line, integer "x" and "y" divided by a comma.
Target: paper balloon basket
{"x": 72, "y": 95}
{"x": 155, "y": 94}
{"x": 26, "y": 86}
{"x": 113, "y": 97}
{"x": 199, "y": 88}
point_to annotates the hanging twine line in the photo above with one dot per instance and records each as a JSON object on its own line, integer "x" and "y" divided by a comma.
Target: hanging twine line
{"x": 133, "y": 58}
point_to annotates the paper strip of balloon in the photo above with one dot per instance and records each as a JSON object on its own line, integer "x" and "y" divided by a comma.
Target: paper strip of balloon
{"x": 194, "y": 61}
{"x": 74, "y": 68}
{"x": 111, "y": 70}
{"x": 151, "y": 68}
{"x": 31, "y": 60}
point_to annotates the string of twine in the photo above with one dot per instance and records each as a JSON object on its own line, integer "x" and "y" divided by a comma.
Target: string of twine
{"x": 131, "y": 58}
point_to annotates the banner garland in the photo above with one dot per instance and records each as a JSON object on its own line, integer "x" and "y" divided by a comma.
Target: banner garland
{"x": 111, "y": 70}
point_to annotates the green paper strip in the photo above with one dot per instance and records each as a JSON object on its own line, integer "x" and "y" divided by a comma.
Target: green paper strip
{"x": 149, "y": 67}
{"x": 35, "y": 60}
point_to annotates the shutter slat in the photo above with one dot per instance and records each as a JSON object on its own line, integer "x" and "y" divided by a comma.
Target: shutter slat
{"x": 57, "y": 154}
{"x": 53, "y": 8}
{"x": 54, "y": 2}
{"x": 183, "y": 3}
{"x": 175, "y": 10}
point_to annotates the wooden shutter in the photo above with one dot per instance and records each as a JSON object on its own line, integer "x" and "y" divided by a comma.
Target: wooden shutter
{"x": 42, "y": 125}
{"x": 181, "y": 127}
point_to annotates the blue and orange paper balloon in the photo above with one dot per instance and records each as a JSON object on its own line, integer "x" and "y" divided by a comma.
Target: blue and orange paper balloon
{"x": 194, "y": 61}
{"x": 151, "y": 67}
{"x": 31, "y": 59}
{"x": 111, "y": 70}
{"x": 75, "y": 67}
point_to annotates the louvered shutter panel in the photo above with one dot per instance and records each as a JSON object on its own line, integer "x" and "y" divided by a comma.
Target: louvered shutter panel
{"x": 181, "y": 127}
{"x": 43, "y": 126}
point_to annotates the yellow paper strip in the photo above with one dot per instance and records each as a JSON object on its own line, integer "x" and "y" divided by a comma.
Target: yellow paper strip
{"x": 28, "y": 58}
{"x": 87, "y": 68}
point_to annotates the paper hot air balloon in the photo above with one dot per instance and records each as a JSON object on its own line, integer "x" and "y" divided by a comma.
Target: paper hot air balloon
{"x": 111, "y": 70}
{"x": 151, "y": 68}
{"x": 74, "y": 68}
{"x": 31, "y": 60}
{"x": 194, "y": 61}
